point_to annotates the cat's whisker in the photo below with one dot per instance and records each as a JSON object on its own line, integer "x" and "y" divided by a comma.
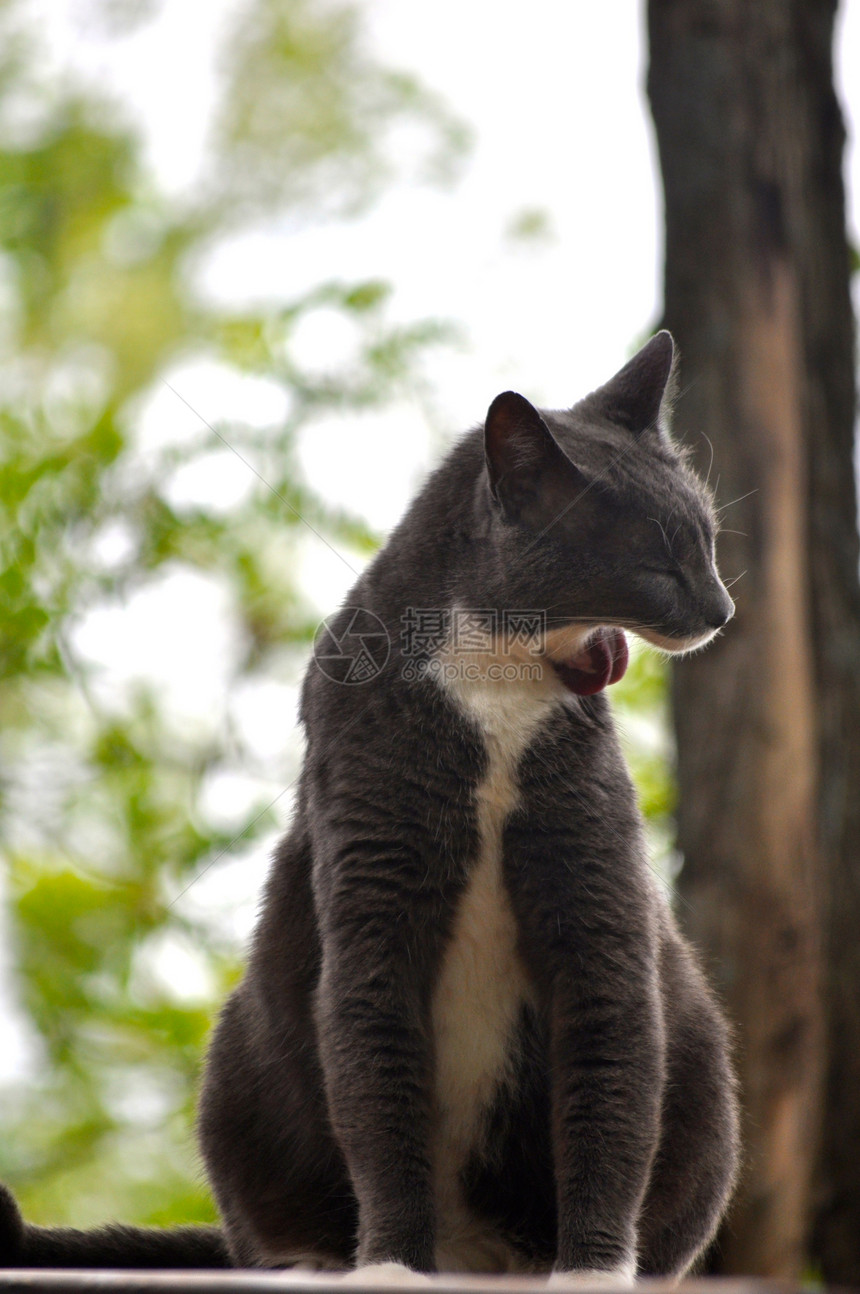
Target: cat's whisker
{"x": 706, "y": 437}
{"x": 739, "y": 499}
{"x": 729, "y": 583}
{"x": 659, "y": 523}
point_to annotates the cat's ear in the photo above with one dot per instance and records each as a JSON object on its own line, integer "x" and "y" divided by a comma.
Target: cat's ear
{"x": 524, "y": 461}
{"x": 641, "y": 391}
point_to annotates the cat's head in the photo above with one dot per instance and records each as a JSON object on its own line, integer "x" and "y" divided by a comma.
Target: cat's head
{"x": 596, "y": 518}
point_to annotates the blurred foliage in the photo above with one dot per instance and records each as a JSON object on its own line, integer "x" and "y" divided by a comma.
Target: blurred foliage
{"x": 104, "y": 815}
{"x": 305, "y": 120}
{"x": 531, "y": 226}
{"x": 640, "y": 703}
{"x": 106, "y": 795}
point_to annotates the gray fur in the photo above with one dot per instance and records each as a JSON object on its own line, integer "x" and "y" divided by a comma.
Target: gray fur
{"x": 618, "y": 1133}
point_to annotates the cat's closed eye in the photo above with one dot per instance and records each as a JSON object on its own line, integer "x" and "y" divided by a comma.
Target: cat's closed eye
{"x": 672, "y": 572}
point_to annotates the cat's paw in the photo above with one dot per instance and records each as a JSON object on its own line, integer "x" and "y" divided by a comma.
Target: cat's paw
{"x": 623, "y": 1275}
{"x": 313, "y": 1263}
{"x": 394, "y": 1274}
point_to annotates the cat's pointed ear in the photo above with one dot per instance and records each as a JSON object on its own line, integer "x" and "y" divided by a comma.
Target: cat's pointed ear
{"x": 522, "y": 456}
{"x": 635, "y": 397}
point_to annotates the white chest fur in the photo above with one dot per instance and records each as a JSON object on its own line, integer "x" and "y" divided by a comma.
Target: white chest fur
{"x": 483, "y": 982}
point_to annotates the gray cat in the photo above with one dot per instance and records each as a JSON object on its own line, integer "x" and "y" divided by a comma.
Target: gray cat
{"x": 470, "y": 1036}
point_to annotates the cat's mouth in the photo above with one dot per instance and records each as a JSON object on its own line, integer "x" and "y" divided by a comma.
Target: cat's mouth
{"x": 603, "y": 660}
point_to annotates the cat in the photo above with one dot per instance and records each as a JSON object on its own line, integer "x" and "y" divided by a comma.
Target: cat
{"x": 470, "y": 1036}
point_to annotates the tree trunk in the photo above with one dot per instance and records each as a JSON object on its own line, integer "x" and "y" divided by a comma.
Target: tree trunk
{"x": 829, "y": 416}
{"x": 768, "y": 720}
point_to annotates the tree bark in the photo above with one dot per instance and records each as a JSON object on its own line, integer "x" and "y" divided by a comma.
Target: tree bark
{"x": 768, "y": 721}
{"x": 834, "y": 559}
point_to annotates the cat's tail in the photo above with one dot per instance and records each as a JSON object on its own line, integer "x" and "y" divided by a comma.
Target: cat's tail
{"x": 25, "y": 1245}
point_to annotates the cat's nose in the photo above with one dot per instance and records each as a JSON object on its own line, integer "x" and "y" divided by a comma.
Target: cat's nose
{"x": 720, "y": 608}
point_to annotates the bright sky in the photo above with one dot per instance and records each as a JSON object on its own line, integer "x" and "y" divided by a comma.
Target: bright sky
{"x": 554, "y": 93}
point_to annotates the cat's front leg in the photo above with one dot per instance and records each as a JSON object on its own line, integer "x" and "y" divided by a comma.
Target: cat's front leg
{"x": 607, "y": 1065}
{"x": 374, "y": 1038}
{"x": 589, "y": 936}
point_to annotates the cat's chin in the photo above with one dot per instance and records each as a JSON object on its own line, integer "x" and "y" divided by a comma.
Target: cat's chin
{"x": 678, "y": 646}
{"x": 601, "y": 661}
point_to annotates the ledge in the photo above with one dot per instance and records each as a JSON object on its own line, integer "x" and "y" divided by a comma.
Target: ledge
{"x": 61, "y": 1281}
